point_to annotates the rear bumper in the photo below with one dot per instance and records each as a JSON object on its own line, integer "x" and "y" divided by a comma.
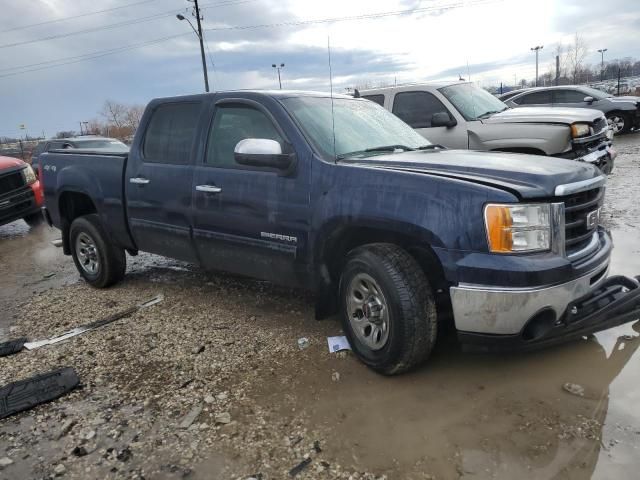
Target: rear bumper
{"x": 614, "y": 301}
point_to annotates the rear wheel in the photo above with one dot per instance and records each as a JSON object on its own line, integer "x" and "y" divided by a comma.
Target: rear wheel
{"x": 618, "y": 122}
{"x": 389, "y": 312}
{"x": 100, "y": 263}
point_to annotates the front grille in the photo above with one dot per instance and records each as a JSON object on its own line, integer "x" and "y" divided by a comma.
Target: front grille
{"x": 10, "y": 182}
{"x": 577, "y": 207}
{"x": 599, "y": 124}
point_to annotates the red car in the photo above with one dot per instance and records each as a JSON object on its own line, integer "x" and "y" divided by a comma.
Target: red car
{"x": 20, "y": 192}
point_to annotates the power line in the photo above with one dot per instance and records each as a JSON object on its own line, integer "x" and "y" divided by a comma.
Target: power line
{"x": 90, "y": 56}
{"x": 120, "y": 24}
{"x": 103, "y": 53}
{"x": 355, "y": 17}
{"x": 47, "y": 22}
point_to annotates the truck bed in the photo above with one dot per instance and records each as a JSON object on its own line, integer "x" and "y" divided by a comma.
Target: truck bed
{"x": 99, "y": 176}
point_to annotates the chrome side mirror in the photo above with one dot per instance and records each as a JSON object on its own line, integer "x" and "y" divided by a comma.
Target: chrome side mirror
{"x": 263, "y": 153}
{"x": 588, "y": 99}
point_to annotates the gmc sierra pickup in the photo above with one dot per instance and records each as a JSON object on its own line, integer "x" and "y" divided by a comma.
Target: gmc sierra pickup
{"x": 340, "y": 196}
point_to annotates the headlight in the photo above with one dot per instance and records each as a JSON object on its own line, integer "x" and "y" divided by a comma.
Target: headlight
{"x": 513, "y": 228}
{"x": 29, "y": 175}
{"x": 580, "y": 130}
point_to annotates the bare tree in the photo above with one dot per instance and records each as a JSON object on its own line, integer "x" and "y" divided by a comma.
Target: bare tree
{"x": 115, "y": 113}
{"x": 133, "y": 116}
{"x": 576, "y": 54}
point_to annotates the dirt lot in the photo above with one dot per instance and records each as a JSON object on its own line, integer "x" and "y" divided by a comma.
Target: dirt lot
{"x": 227, "y": 347}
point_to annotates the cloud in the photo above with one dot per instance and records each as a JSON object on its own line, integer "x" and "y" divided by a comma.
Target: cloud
{"x": 492, "y": 36}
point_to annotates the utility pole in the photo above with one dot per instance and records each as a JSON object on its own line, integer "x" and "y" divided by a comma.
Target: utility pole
{"x": 557, "y": 70}
{"x": 80, "y": 128}
{"x": 537, "y": 49}
{"x": 198, "y": 33}
{"x": 278, "y": 67}
{"x": 602, "y": 63}
{"x": 204, "y": 63}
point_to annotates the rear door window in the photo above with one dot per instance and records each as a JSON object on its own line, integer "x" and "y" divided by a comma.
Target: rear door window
{"x": 417, "y": 108}
{"x": 170, "y": 134}
{"x": 379, "y": 99}
{"x": 535, "y": 98}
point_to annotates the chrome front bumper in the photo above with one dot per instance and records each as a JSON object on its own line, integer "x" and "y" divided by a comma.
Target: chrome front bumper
{"x": 506, "y": 311}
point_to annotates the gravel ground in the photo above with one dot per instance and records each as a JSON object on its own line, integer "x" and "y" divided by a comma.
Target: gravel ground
{"x": 211, "y": 383}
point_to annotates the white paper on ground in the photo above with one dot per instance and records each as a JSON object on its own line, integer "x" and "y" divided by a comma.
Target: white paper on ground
{"x": 338, "y": 343}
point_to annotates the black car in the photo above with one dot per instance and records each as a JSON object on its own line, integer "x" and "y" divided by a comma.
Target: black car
{"x": 623, "y": 113}
{"x": 87, "y": 142}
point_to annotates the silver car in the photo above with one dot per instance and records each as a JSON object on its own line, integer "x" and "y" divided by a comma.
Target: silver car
{"x": 464, "y": 116}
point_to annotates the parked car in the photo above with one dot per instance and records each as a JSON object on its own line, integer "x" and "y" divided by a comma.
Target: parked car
{"x": 623, "y": 113}
{"x": 462, "y": 115}
{"x": 92, "y": 142}
{"x": 20, "y": 192}
{"x": 337, "y": 195}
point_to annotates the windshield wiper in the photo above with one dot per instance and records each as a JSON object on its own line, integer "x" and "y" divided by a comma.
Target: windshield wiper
{"x": 388, "y": 148}
{"x": 432, "y": 146}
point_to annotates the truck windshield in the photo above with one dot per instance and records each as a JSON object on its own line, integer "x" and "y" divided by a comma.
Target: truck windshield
{"x": 472, "y": 102}
{"x": 362, "y": 128}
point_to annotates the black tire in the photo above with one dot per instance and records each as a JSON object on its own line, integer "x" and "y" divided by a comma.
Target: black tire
{"x": 34, "y": 219}
{"x": 411, "y": 309}
{"x": 111, "y": 260}
{"x": 616, "y": 118}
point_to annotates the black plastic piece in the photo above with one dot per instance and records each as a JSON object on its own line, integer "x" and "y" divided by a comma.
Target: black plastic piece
{"x": 26, "y": 394}
{"x": 12, "y": 346}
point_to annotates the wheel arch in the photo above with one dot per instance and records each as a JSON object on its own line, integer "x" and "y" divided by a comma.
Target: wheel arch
{"x": 71, "y": 205}
{"x": 331, "y": 256}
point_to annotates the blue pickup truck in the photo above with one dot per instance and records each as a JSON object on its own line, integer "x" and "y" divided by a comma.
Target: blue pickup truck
{"x": 337, "y": 195}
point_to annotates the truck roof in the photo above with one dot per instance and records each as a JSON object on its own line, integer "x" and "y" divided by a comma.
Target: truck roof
{"x": 438, "y": 84}
{"x": 266, "y": 93}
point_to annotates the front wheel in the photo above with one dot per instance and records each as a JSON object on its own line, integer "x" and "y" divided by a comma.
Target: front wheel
{"x": 389, "y": 313}
{"x": 618, "y": 122}
{"x": 100, "y": 263}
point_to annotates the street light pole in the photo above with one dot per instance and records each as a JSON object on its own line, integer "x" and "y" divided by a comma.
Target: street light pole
{"x": 200, "y": 38}
{"x": 602, "y": 63}
{"x": 537, "y": 49}
{"x": 278, "y": 67}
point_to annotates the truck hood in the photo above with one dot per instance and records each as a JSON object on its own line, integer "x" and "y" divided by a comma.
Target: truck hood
{"x": 544, "y": 115}
{"x": 8, "y": 162}
{"x": 627, "y": 99}
{"x": 526, "y": 176}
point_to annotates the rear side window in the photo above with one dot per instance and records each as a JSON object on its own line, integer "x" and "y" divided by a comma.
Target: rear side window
{"x": 232, "y": 124}
{"x": 535, "y": 98}
{"x": 417, "y": 108}
{"x": 379, "y": 99}
{"x": 170, "y": 133}
{"x": 568, "y": 96}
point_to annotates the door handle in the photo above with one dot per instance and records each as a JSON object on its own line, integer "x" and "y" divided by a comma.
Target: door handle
{"x": 208, "y": 188}
{"x": 139, "y": 180}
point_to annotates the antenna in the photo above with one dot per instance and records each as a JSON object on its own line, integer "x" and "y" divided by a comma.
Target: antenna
{"x": 333, "y": 119}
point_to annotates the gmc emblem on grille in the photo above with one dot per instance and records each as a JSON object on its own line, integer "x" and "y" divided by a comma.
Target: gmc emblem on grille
{"x": 593, "y": 219}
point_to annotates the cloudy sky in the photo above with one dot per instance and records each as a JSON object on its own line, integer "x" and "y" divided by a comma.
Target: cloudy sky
{"x": 61, "y": 59}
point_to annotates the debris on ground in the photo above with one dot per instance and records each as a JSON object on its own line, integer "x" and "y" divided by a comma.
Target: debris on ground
{"x": 223, "y": 418}
{"x": 190, "y": 417}
{"x": 300, "y": 467}
{"x": 25, "y": 394}
{"x": 337, "y": 344}
{"x": 12, "y": 346}
{"x": 5, "y": 462}
{"x": 335, "y": 376}
{"x": 574, "y": 389}
{"x": 303, "y": 342}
